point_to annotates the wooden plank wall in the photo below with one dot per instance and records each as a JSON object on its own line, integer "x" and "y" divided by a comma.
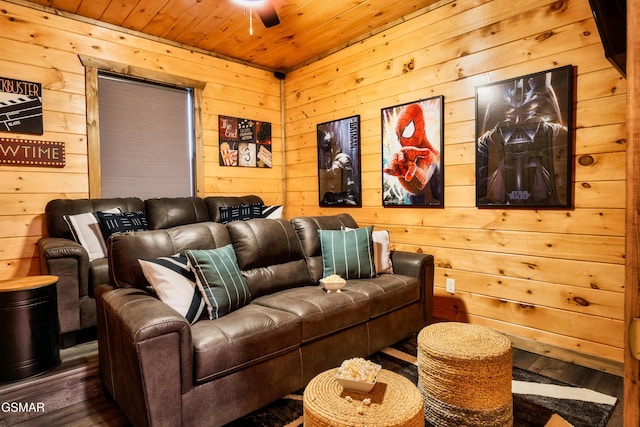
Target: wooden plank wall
{"x": 553, "y": 277}
{"x": 43, "y": 47}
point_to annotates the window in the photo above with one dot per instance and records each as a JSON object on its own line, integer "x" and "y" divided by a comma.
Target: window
{"x": 94, "y": 67}
{"x": 146, "y": 139}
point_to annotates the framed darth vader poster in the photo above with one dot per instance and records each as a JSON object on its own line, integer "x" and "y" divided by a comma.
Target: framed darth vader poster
{"x": 412, "y": 154}
{"x": 523, "y": 141}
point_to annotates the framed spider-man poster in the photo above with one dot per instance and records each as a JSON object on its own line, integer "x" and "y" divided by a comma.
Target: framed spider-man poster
{"x": 339, "y": 182}
{"x": 523, "y": 141}
{"x": 413, "y": 154}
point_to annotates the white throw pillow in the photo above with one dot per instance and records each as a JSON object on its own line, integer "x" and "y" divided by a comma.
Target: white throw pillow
{"x": 174, "y": 282}
{"x": 272, "y": 212}
{"x": 85, "y": 229}
{"x": 381, "y": 252}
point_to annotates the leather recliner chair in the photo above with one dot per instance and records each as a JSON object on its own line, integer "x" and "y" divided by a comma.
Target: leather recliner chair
{"x": 60, "y": 255}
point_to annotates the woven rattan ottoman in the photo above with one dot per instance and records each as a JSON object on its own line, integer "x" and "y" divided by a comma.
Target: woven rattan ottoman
{"x": 394, "y": 401}
{"x": 464, "y": 375}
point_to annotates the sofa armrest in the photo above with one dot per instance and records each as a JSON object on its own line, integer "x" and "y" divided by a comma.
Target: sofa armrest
{"x": 420, "y": 266}
{"x": 58, "y": 247}
{"x": 146, "y": 355}
{"x": 68, "y": 261}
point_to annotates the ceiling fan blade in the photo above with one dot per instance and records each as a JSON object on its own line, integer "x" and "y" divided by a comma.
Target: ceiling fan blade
{"x": 268, "y": 14}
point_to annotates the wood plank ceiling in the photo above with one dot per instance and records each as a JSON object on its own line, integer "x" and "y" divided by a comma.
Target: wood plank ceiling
{"x": 308, "y": 29}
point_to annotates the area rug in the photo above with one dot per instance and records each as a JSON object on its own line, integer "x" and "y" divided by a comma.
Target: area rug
{"x": 538, "y": 400}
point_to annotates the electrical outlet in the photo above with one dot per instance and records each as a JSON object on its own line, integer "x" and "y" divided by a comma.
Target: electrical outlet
{"x": 450, "y": 285}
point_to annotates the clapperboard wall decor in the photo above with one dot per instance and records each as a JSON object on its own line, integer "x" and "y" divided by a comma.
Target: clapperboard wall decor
{"x": 244, "y": 142}
{"x": 20, "y": 106}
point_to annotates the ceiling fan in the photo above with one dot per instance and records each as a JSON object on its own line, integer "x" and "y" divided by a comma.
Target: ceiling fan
{"x": 265, "y": 9}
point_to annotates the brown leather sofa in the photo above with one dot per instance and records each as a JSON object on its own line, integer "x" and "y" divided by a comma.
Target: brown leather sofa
{"x": 162, "y": 371}
{"x": 78, "y": 276}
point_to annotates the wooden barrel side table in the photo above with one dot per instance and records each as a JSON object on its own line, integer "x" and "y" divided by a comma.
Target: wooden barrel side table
{"x": 29, "y": 332}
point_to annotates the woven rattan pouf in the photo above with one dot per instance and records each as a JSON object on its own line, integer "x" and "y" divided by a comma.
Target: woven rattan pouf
{"x": 464, "y": 375}
{"x": 393, "y": 401}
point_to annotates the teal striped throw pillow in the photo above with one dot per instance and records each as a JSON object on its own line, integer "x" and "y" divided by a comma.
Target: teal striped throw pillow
{"x": 219, "y": 279}
{"x": 348, "y": 253}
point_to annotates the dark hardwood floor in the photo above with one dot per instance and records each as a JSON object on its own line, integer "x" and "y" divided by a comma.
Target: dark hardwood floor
{"x": 72, "y": 394}
{"x": 577, "y": 375}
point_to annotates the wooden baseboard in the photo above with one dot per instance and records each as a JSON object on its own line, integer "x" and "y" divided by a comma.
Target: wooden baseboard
{"x": 570, "y": 356}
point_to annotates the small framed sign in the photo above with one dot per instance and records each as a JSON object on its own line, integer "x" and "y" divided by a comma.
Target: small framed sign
{"x": 244, "y": 142}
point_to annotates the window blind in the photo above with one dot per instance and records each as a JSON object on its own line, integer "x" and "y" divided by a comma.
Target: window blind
{"x": 146, "y": 139}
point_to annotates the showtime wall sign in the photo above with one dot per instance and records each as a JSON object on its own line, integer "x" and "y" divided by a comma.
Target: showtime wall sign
{"x": 22, "y": 152}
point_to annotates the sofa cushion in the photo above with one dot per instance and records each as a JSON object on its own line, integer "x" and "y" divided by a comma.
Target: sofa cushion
{"x": 219, "y": 279}
{"x": 175, "y": 284}
{"x": 348, "y": 253}
{"x": 121, "y": 222}
{"x": 247, "y": 336}
{"x": 321, "y": 313}
{"x": 307, "y": 230}
{"x": 167, "y": 212}
{"x": 269, "y": 255}
{"x": 387, "y": 292}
